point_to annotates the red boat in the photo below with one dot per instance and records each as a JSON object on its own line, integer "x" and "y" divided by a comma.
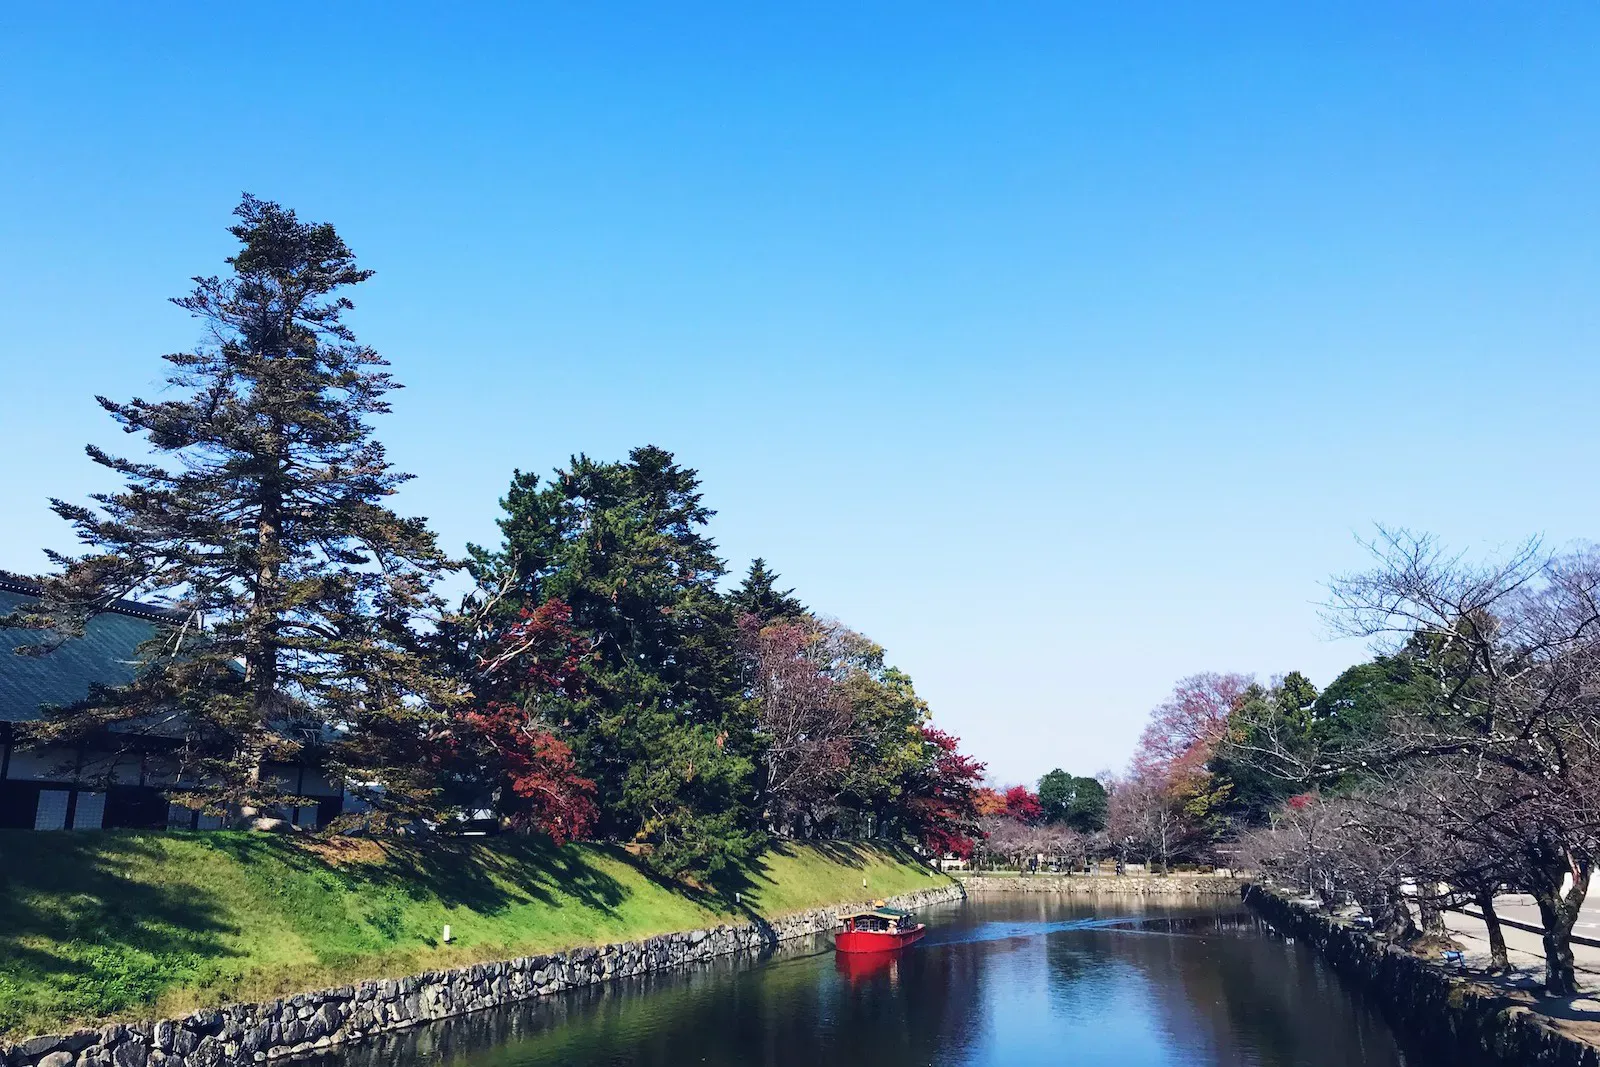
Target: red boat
{"x": 877, "y": 929}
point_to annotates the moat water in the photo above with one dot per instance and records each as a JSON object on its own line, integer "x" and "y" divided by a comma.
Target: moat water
{"x": 1014, "y": 981}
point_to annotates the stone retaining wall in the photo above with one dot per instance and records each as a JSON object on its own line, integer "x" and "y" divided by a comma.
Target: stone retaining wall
{"x": 239, "y": 1034}
{"x": 1151, "y": 885}
{"x": 1453, "y": 1019}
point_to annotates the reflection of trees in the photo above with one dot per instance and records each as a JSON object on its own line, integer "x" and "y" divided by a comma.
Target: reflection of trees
{"x": 1242, "y": 997}
{"x": 1189, "y": 985}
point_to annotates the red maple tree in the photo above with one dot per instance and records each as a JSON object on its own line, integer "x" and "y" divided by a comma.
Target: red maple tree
{"x": 944, "y": 809}
{"x": 537, "y": 657}
{"x": 1022, "y": 804}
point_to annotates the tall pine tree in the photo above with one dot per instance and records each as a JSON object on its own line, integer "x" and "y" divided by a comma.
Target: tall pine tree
{"x": 261, "y": 518}
{"x": 760, "y": 596}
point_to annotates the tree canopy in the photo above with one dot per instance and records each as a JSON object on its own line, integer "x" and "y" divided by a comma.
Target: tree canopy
{"x": 596, "y": 682}
{"x": 1079, "y": 803}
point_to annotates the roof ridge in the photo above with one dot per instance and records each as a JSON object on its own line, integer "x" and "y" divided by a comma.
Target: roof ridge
{"x": 14, "y": 583}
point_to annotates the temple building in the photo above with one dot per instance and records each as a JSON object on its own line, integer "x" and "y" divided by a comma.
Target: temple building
{"x": 121, "y": 778}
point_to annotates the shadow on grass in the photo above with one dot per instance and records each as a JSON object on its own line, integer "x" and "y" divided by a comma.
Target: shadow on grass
{"x": 848, "y": 853}
{"x": 94, "y": 924}
{"x": 104, "y": 923}
{"x": 458, "y": 872}
{"x": 739, "y": 888}
{"x": 81, "y": 937}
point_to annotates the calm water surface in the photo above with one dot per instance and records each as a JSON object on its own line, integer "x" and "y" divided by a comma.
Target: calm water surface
{"x": 1014, "y": 980}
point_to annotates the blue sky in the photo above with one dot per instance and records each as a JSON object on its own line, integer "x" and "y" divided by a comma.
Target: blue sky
{"x": 1064, "y": 349}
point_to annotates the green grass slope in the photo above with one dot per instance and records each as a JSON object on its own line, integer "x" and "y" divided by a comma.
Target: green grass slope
{"x": 96, "y": 926}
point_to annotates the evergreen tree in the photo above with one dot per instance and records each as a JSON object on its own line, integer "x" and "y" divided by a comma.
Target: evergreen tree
{"x": 1056, "y": 790}
{"x": 1080, "y": 803}
{"x": 1090, "y": 806}
{"x": 758, "y": 595}
{"x": 662, "y": 727}
{"x": 262, "y": 521}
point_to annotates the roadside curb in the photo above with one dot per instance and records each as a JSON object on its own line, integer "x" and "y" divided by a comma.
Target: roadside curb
{"x": 1517, "y": 924}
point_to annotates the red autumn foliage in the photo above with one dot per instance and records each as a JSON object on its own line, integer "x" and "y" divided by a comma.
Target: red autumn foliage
{"x": 1022, "y": 804}
{"x": 538, "y": 767}
{"x": 539, "y": 653}
{"x": 944, "y": 810}
{"x": 535, "y": 658}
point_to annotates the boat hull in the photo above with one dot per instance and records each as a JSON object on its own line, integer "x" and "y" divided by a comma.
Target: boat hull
{"x": 877, "y": 940}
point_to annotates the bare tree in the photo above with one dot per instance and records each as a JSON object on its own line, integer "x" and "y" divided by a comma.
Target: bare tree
{"x": 1005, "y": 838}
{"x": 1145, "y": 816}
{"x": 804, "y": 717}
{"x": 1500, "y": 749}
{"x": 1329, "y": 846}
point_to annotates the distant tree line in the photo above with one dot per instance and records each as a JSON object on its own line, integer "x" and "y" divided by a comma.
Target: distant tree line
{"x": 597, "y": 682}
{"x": 1063, "y": 822}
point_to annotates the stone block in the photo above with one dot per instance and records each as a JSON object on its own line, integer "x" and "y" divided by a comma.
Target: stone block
{"x": 256, "y": 1038}
{"x": 130, "y": 1054}
{"x": 79, "y": 1040}
{"x": 294, "y": 1031}
{"x": 208, "y": 1053}
{"x": 36, "y": 1048}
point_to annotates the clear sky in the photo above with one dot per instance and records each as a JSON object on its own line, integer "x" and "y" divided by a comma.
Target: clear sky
{"x": 1064, "y": 349}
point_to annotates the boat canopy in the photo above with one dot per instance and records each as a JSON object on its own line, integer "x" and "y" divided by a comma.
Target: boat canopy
{"x": 877, "y": 913}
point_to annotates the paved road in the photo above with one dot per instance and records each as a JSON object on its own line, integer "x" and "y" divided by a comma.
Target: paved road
{"x": 1522, "y": 908}
{"x": 1526, "y": 948}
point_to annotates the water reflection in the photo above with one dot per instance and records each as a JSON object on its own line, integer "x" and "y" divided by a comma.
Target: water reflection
{"x": 1010, "y": 981}
{"x": 860, "y": 966}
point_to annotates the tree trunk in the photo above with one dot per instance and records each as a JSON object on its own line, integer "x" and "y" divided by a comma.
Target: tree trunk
{"x": 1311, "y": 868}
{"x": 1499, "y": 962}
{"x": 261, "y": 628}
{"x": 1397, "y": 915}
{"x": 1558, "y": 911}
{"x": 1560, "y": 977}
{"x": 1428, "y": 908}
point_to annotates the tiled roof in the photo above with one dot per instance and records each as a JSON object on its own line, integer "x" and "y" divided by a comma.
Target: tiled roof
{"x": 107, "y": 653}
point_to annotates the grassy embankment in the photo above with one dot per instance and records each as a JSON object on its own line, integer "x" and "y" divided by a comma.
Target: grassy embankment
{"x": 107, "y": 925}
